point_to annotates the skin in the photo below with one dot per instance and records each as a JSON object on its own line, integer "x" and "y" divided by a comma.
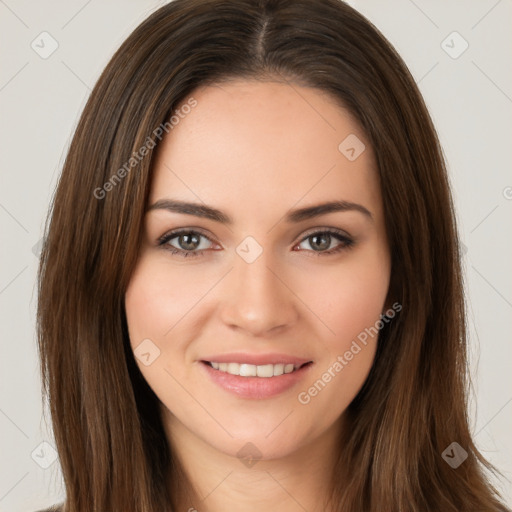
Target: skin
{"x": 255, "y": 151}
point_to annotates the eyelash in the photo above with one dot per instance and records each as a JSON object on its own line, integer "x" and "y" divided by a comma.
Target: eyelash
{"x": 346, "y": 242}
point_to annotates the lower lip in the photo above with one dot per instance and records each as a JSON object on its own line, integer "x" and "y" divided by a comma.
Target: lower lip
{"x": 256, "y": 388}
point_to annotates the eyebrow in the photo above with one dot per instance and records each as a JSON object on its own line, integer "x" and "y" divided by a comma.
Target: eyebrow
{"x": 292, "y": 216}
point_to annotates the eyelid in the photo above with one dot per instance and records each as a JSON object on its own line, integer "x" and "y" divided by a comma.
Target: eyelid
{"x": 201, "y": 231}
{"x": 342, "y": 236}
{"x": 162, "y": 242}
{"x": 178, "y": 231}
{"x": 325, "y": 229}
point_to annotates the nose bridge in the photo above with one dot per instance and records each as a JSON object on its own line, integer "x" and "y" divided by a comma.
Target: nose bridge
{"x": 256, "y": 300}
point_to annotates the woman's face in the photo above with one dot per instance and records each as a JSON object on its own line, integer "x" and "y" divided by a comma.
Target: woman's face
{"x": 242, "y": 270}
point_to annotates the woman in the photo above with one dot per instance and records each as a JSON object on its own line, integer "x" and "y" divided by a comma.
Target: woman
{"x": 250, "y": 290}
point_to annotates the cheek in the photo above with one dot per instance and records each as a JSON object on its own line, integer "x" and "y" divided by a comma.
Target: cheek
{"x": 348, "y": 297}
{"x": 157, "y": 299}
{"x": 157, "y": 302}
{"x": 349, "y": 300}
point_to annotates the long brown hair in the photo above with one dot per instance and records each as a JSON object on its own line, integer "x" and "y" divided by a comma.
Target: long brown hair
{"x": 110, "y": 438}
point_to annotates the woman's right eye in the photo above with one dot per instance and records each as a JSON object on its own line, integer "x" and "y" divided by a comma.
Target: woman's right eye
{"x": 186, "y": 243}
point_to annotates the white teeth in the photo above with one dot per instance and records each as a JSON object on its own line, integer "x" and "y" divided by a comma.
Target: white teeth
{"x": 288, "y": 368}
{"x": 244, "y": 370}
{"x": 266, "y": 370}
{"x": 278, "y": 369}
{"x": 233, "y": 368}
{"x": 251, "y": 370}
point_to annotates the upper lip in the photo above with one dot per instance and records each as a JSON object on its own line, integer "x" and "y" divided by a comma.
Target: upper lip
{"x": 256, "y": 359}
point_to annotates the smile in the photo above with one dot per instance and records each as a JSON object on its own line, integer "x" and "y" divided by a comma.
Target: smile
{"x": 251, "y": 370}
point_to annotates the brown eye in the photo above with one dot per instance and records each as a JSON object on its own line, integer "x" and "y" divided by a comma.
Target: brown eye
{"x": 186, "y": 243}
{"x": 320, "y": 242}
{"x": 325, "y": 242}
{"x": 189, "y": 241}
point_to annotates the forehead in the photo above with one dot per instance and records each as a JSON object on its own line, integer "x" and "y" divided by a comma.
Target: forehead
{"x": 252, "y": 147}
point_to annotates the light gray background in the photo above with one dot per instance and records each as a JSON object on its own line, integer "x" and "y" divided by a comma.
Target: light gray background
{"x": 470, "y": 100}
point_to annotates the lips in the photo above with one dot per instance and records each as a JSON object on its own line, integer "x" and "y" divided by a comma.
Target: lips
{"x": 255, "y": 376}
{"x": 256, "y": 365}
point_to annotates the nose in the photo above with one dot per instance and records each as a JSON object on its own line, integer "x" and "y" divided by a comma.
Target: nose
{"x": 257, "y": 298}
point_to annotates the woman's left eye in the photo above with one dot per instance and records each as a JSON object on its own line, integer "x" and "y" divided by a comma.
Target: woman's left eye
{"x": 326, "y": 242}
